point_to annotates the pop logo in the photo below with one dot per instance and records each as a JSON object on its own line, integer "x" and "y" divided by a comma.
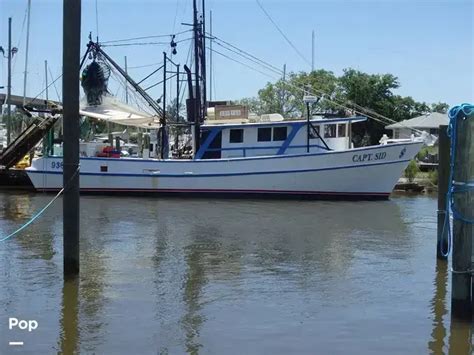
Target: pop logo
{"x": 29, "y": 325}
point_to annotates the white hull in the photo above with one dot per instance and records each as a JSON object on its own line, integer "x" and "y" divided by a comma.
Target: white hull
{"x": 361, "y": 172}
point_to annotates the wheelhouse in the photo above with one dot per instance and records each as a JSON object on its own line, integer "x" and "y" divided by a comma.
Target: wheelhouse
{"x": 275, "y": 138}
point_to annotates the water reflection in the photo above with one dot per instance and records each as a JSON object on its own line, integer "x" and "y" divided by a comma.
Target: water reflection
{"x": 271, "y": 276}
{"x": 69, "y": 333}
{"x": 438, "y": 309}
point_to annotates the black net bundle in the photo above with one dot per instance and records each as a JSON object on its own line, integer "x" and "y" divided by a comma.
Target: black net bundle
{"x": 94, "y": 81}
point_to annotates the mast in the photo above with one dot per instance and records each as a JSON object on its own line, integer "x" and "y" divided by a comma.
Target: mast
{"x": 312, "y": 51}
{"x": 210, "y": 55}
{"x": 203, "y": 59}
{"x": 9, "y": 84}
{"x": 26, "y": 53}
{"x": 197, "y": 92}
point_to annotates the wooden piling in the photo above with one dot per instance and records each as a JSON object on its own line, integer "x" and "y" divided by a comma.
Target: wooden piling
{"x": 71, "y": 67}
{"x": 463, "y": 232}
{"x": 443, "y": 182}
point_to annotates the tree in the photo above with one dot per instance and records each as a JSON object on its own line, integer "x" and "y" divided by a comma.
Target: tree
{"x": 440, "y": 107}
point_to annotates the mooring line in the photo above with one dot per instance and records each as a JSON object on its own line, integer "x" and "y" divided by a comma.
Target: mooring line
{"x": 463, "y": 111}
{"x": 34, "y": 217}
{"x": 37, "y": 215}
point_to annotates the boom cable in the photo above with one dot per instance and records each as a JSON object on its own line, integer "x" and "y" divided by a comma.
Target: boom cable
{"x": 282, "y": 33}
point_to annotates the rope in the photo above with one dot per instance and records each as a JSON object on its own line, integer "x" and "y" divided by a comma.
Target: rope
{"x": 464, "y": 111}
{"x": 38, "y": 214}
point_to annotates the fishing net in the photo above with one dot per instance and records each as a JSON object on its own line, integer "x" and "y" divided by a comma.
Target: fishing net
{"x": 94, "y": 80}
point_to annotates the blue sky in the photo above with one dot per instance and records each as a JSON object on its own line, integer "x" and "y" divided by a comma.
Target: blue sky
{"x": 427, "y": 44}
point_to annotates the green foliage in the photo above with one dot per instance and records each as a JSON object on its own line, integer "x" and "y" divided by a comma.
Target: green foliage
{"x": 411, "y": 170}
{"x": 433, "y": 177}
{"x": 352, "y": 88}
{"x": 440, "y": 107}
{"x": 425, "y": 151}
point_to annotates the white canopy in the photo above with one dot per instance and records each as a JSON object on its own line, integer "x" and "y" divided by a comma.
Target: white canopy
{"x": 117, "y": 112}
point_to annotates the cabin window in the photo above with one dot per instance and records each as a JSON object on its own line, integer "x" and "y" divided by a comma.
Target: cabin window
{"x": 396, "y": 134}
{"x": 314, "y": 131}
{"x": 264, "y": 134}
{"x": 236, "y": 136}
{"x": 341, "y": 130}
{"x": 329, "y": 131}
{"x": 279, "y": 133}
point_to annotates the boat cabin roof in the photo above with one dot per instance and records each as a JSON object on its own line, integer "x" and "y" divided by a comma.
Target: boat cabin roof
{"x": 352, "y": 119}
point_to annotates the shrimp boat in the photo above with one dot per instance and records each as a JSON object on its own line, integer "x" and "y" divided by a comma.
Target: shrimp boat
{"x": 232, "y": 153}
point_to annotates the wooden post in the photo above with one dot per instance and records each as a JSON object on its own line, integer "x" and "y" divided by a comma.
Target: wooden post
{"x": 71, "y": 66}
{"x": 443, "y": 182}
{"x": 463, "y": 231}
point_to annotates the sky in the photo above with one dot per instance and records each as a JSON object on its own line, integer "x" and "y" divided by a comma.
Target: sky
{"x": 428, "y": 45}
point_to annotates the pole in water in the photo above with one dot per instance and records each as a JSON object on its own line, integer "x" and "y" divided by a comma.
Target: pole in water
{"x": 71, "y": 67}
{"x": 443, "y": 182}
{"x": 463, "y": 229}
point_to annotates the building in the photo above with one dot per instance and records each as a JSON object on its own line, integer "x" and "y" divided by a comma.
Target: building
{"x": 429, "y": 123}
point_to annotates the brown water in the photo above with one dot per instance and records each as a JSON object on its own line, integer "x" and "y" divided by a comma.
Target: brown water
{"x": 171, "y": 276}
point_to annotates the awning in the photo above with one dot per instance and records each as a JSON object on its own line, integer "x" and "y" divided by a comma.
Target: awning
{"x": 115, "y": 111}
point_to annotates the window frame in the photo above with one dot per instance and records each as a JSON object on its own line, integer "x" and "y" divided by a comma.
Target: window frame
{"x": 241, "y": 135}
{"x": 266, "y": 129}
{"x": 328, "y": 130}
{"x": 280, "y": 139}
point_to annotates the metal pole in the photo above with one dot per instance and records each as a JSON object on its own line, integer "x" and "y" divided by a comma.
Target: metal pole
{"x": 26, "y": 53}
{"x": 126, "y": 86}
{"x": 282, "y": 92}
{"x": 210, "y": 55}
{"x": 9, "y": 82}
{"x": 163, "y": 123}
{"x": 197, "y": 95}
{"x": 307, "y": 128}
{"x": 443, "y": 182}
{"x": 312, "y": 51}
{"x": 71, "y": 67}
{"x": 177, "y": 93}
{"x": 176, "y": 137}
{"x": 463, "y": 231}
{"x": 203, "y": 59}
{"x": 50, "y": 137}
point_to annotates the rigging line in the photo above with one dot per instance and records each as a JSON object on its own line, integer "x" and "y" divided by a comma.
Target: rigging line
{"x": 246, "y": 53}
{"x": 184, "y": 87}
{"x": 55, "y": 88}
{"x": 20, "y": 38}
{"x": 135, "y": 44}
{"x": 282, "y": 33}
{"x": 153, "y": 72}
{"x": 175, "y": 15}
{"x": 132, "y": 92}
{"x": 42, "y": 91}
{"x": 97, "y": 20}
{"x": 160, "y": 82}
{"x": 245, "y": 65}
{"x": 271, "y": 68}
{"x": 145, "y": 66}
{"x": 145, "y": 37}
